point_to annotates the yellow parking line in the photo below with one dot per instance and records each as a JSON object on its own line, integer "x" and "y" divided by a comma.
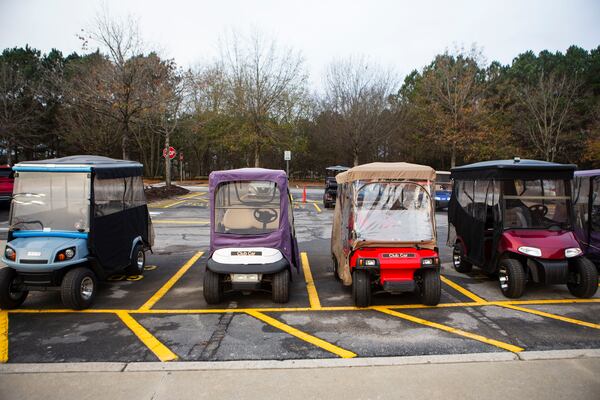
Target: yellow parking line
{"x": 313, "y": 296}
{"x": 317, "y": 207}
{"x": 3, "y": 336}
{"x": 160, "y": 350}
{"x": 179, "y": 222}
{"x": 462, "y": 290}
{"x": 298, "y": 309}
{"x": 330, "y": 347}
{"x": 167, "y": 286}
{"x": 553, "y": 316}
{"x": 174, "y": 204}
{"x": 446, "y": 328}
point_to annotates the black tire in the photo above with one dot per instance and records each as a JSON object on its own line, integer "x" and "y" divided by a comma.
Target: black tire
{"x": 460, "y": 264}
{"x": 583, "y": 278}
{"x": 138, "y": 261}
{"x": 280, "y": 287}
{"x": 213, "y": 287}
{"x": 10, "y": 298}
{"x": 78, "y": 289}
{"x": 361, "y": 288}
{"x": 429, "y": 286}
{"x": 511, "y": 277}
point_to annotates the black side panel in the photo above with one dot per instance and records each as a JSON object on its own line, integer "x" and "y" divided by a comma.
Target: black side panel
{"x": 469, "y": 229}
{"x": 112, "y": 235}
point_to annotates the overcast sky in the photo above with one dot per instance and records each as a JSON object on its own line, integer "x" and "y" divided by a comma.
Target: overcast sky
{"x": 402, "y": 35}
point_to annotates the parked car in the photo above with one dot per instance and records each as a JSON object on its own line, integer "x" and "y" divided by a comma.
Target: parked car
{"x": 330, "y": 195}
{"x": 252, "y": 237}
{"x": 514, "y": 218}
{"x": 586, "y": 197}
{"x": 443, "y": 189}
{"x": 7, "y": 181}
{"x": 74, "y": 221}
{"x": 384, "y": 234}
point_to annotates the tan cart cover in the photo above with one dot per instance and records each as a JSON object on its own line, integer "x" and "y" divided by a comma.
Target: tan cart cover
{"x": 373, "y": 172}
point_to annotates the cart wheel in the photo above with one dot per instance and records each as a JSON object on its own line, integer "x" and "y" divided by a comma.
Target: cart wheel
{"x": 335, "y": 268}
{"x": 9, "y": 297}
{"x": 78, "y": 288}
{"x": 361, "y": 288}
{"x": 138, "y": 261}
{"x": 460, "y": 264}
{"x": 213, "y": 287}
{"x": 583, "y": 278}
{"x": 281, "y": 286}
{"x": 430, "y": 287}
{"x": 512, "y": 278}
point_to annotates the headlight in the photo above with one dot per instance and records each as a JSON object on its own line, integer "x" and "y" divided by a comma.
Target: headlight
{"x": 10, "y": 254}
{"x": 368, "y": 262}
{"x": 430, "y": 261}
{"x": 530, "y": 251}
{"x": 65, "y": 255}
{"x": 573, "y": 252}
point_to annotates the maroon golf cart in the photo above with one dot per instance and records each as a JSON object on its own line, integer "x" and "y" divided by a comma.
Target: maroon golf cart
{"x": 514, "y": 218}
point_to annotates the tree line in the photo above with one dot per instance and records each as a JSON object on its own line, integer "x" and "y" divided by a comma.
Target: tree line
{"x": 253, "y": 101}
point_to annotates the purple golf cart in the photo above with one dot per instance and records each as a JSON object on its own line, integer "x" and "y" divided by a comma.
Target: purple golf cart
{"x": 586, "y": 196}
{"x": 253, "y": 243}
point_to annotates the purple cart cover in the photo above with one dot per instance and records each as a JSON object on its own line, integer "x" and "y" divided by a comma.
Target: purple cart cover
{"x": 280, "y": 239}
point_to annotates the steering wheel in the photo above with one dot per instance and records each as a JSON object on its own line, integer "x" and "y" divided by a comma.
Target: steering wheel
{"x": 539, "y": 209}
{"x": 265, "y": 216}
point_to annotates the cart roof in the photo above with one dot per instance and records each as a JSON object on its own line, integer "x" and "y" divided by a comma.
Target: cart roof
{"x": 248, "y": 174}
{"x": 337, "y": 168}
{"x": 514, "y": 169}
{"x": 589, "y": 172}
{"x": 383, "y": 170}
{"x": 104, "y": 167}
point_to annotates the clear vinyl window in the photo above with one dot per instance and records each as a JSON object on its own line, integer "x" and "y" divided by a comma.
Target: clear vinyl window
{"x": 247, "y": 207}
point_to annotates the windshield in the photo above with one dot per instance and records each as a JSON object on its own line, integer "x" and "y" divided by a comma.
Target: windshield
{"x": 536, "y": 204}
{"x": 247, "y": 207}
{"x": 51, "y": 201}
{"x": 394, "y": 212}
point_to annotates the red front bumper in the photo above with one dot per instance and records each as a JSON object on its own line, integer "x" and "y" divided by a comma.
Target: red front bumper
{"x": 394, "y": 264}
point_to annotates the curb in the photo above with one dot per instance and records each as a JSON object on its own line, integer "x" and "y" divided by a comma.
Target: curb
{"x": 296, "y": 364}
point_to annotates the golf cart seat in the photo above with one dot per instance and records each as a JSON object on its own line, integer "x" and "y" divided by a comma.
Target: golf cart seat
{"x": 242, "y": 219}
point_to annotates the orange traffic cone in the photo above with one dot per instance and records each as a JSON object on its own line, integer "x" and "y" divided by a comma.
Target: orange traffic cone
{"x": 304, "y": 195}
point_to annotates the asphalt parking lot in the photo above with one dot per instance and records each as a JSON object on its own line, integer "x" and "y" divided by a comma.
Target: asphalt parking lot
{"x": 162, "y": 315}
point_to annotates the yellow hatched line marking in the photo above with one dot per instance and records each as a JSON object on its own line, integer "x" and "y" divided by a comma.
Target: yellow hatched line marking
{"x": 179, "y": 222}
{"x": 553, "y": 316}
{"x": 3, "y": 336}
{"x": 297, "y": 309}
{"x": 330, "y": 347}
{"x": 462, "y": 290}
{"x": 446, "y": 328}
{"x": 317, "y": 207}
{"x": 313, "y": 296}
{"x": 167, "y": 286}
{"x": 160, "y": 350}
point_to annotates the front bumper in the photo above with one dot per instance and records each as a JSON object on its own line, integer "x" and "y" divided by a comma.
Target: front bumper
{"x": 270, "y": 268}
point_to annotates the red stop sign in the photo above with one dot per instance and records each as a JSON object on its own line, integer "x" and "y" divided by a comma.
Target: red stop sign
{"x": 172, "y": 152}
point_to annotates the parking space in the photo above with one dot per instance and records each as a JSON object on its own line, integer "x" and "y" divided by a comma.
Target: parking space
{"x": 162, "y": 315}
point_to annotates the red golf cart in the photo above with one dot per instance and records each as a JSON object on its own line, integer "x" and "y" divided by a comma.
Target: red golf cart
{"x": 384, "y": 236}
{"x": 514, "y": 218}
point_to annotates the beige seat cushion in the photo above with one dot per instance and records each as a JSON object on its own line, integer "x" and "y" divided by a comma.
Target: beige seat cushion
{"x": 243, "y": 218}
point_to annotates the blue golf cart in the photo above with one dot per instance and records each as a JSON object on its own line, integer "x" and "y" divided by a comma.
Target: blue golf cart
{"x": 74, "y": 221}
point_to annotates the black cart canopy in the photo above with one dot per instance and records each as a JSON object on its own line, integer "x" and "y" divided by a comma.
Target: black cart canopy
{"x": 103, "y": 167}
{"x": 513, "y": 169}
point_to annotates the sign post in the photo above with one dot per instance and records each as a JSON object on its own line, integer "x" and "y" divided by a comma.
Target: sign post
{"x": 287, "y": 156}
{"x": 181, "y": 166}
